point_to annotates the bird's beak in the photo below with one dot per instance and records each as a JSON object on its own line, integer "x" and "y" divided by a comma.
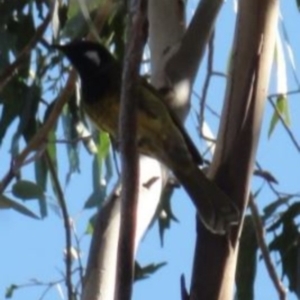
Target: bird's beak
{"x": 58, "y": 47}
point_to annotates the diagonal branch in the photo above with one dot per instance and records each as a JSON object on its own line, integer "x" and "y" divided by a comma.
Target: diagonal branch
{"x": 232, "y": 165}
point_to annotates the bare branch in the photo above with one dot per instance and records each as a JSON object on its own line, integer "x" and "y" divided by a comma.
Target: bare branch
{"x": 66, "y": 220}
{"x": 259, "y": 230}
{"x": 233, "y": 161}
{"x": 129, "y": 151}
{"x": 185, "y": 62}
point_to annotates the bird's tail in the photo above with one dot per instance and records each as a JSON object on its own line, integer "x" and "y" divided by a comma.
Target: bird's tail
{"x": 216, "y": 210}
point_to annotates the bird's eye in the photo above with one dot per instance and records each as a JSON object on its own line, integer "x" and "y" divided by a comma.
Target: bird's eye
{"x": 93, "y": 56}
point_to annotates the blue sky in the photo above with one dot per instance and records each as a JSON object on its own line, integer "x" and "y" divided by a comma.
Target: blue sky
{"x": 34, "y": 249}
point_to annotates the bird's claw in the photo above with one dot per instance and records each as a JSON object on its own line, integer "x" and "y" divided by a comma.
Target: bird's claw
{"x": 222, "y": 219}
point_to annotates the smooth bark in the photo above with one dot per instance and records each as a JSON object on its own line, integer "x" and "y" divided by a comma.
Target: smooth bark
{"x": 253, "y": 50}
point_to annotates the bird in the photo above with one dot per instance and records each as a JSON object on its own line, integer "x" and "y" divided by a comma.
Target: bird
{"x": 160, "y": 133}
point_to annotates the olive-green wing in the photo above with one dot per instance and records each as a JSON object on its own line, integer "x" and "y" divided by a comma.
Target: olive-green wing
{"x": 190, "y": 144}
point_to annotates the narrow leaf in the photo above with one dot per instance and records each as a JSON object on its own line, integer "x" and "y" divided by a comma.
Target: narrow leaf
{"x": 27, "y": 190}
{"x": 298, "y": 4}
{"x": 247, "y": 261}
{"x": 281, "y": 87}
{"x": 165, "y": 213}
{"x": 282, "y": 109}
{"x": 144, "y": 272}
{"x": 7, "y": 203}
{"x": 270, "y": 209}
{"x": 288, "y": 245}
{"x": 10, "y": 291}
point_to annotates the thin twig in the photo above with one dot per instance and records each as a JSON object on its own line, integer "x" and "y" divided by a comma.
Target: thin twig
{"x": 288, "y": 93}
{"x": 66, "y": 219}
{"x": 271, "y": 186}
{"x": 80, "y": 263}
{"x": 11, "y": 70}
{"x": 36, "y": 283}
{"x": 259, "y": 229}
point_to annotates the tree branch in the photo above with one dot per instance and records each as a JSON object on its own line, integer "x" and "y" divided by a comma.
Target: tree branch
{"x": 129, "y": 151}
{"x": 185, "y": 62}
{"x": 66, "y": 220}
{"x": 11, "y": 70}
{"x": 259, "y": 230}
{"x": 41, "y": 136}
{"x": 232, "y": 165}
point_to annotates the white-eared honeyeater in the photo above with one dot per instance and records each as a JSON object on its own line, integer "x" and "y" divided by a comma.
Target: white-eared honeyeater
{"x": 159, "y": 132}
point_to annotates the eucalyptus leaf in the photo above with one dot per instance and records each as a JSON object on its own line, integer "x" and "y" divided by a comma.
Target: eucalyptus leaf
{"x": 145, "y": 271}
{"x": 247, "y": 262}
{"x": 7, "y": 203}
{"x": 27, "y": 190}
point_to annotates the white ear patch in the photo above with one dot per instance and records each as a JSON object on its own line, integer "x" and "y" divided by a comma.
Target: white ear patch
{"x": 93, "y": 56}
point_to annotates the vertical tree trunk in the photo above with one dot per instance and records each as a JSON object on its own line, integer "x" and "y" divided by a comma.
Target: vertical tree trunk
{"x": 215, "y": 256}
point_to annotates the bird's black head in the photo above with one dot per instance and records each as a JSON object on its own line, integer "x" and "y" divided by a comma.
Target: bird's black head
{"x": 88, "y": 58}
{"x": 97, "y": 68}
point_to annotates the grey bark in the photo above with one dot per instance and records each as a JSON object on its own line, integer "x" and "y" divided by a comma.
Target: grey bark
{"x": 215, "y": 256}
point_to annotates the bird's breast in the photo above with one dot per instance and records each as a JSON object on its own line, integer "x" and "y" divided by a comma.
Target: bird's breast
{"x": 104, "y": 113}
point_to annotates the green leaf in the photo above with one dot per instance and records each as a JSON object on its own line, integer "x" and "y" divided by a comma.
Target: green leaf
{"x": 292, "y": 212}
{"x": 27, "y": 116}
{"x": 10, "y": 291}
{"x": 41, "y": 172}
{"x": 7, "y": 203}
{"x": 144, "y": 272}
{"x": 91, "y": 224}
{"x": 287, "y": 243}
{"x": 270, "y": 209}
{"x": 103, "y": 146}
{"x": 282, "y": 108}
{"x": 76, "y": 24}
{"x": 28, "y": 124}
{"x": 165, "y": 213}
{"x": 51, "y": 148}
{"x": 108, "y": 168}
{"x": 247, "y": 262}
{"x": 96, "y": 198}
{"x": 14, "y": 90}
{"x": 27, "y": 190}
{"x": 71, "y": 145}
{"x": 96, "y": 169}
